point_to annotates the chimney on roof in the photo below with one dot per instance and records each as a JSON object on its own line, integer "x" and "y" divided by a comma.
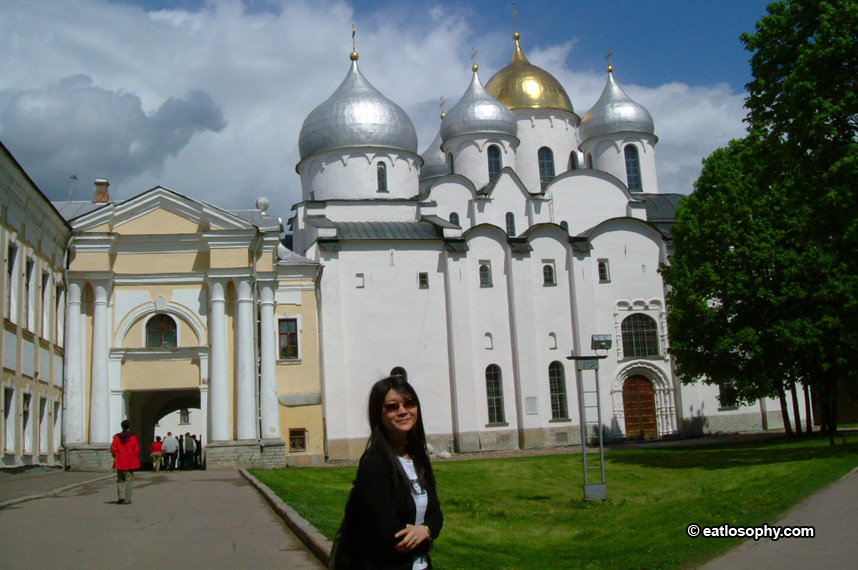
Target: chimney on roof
{"x": 101, "y": 195}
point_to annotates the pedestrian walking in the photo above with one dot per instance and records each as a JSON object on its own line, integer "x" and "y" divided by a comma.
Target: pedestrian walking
{"x": 171, "y": 447}
{"x": 126, "y": 460}
{"x": 157, "y": 453}
{"x": 189, "y": 451}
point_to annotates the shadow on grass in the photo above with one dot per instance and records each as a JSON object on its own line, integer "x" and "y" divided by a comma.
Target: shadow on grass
{"x": 726, "y": 456}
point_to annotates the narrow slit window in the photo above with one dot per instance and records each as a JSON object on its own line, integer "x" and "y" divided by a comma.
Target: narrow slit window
{"x": 633, "y": 169}
{"x": 546, "y": 166}
{"x": 381, "y": 172}
{"x": 495, "y": 163}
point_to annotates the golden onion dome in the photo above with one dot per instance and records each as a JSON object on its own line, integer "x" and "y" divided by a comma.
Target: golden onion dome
{"x": 522, "y": 85}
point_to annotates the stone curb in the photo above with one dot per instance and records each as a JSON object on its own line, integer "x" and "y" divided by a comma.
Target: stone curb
{"x": 306, "y": 533}
{"x": 53, "y": 492}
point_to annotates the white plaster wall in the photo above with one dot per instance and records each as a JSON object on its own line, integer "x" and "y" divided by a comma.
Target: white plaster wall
{"x": 351, "y": 174}
{"x": 584, "y": 201}
{"x": 558, "y": 130}
{"x": 609, "y": 156}
{"x": 374, "y": 211}
{"x": 453, "y": 196}
{"x": 470, "y": 156}
{"x": 553, "y": 314}
{"x": 506, "y": 197}
{"x": 390, "y": 322}
{"x": 490, "y": 314}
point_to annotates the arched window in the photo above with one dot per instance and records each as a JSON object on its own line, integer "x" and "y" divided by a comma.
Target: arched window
{"x": 565, "y": 225}
{"x": 494, "y": 394}
{"x": 160, "y": 332}
{"x": 633, "y": 169}
{"x": 381, "y": 172}
{"x": 454, "y": 218}
{"x": 640, "y": 336}
{"x": 557, "y": 388}
{"x": 510, "y": 224}
{"x": 399, "y": 372}
{"x": 573, "y": 161}
{"x": 548, "y": 275}
{"x": 546, "y": 166}
{"x": 495, "y": 164}
{"x": 485, "y": 275}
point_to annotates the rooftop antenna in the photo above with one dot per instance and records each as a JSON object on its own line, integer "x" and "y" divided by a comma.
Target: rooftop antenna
{"x": 73, "y": 179}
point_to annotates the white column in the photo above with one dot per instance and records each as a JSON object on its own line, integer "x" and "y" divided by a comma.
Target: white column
{"x": 269, "y": 408}
{"x": 246, "y": 418}
{"x": 99, "y": 413}
{"x": 74, "y": 417}
{"x": 218, "y": 387}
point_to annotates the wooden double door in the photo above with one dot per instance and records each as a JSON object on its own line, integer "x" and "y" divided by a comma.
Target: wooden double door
{"x": 639, "y": 408}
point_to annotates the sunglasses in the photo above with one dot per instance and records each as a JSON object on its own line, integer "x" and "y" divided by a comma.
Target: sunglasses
{"x": 391, "y": 407}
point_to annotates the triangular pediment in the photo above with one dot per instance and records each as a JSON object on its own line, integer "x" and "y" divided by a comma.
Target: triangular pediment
{"x": 159, "y": 211}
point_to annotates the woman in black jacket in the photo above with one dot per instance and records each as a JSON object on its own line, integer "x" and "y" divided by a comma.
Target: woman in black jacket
{"x": 394, "y": 514}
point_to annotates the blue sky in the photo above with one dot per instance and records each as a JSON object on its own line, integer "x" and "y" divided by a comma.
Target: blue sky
{"x": 207, "y": 98}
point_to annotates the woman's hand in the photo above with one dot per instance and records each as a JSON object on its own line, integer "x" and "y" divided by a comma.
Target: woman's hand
{"x": 412, "y": 537}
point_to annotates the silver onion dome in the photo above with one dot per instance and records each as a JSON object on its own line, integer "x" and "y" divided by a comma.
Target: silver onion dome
{"x": 615, "y": 112}
{"x": 478, "y": 112}
{"x": 434, "y": 161}
{"x": 356, "y": 114}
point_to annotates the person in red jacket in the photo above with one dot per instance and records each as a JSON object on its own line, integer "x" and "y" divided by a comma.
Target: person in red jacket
{"x": 126, "y": 459}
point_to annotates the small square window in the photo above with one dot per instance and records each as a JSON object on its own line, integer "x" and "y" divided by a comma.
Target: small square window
{"x": 423, "y": 280}
{"x": 604, "y": 271}
{"x": 298, "y": 439}
{"x": 359, "y": 281}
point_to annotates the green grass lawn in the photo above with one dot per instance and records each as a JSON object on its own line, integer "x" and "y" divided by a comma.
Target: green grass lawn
{"x": 528, "y": 512}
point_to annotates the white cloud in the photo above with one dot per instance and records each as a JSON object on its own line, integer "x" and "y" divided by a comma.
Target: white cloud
{"x": 262, "y": 72}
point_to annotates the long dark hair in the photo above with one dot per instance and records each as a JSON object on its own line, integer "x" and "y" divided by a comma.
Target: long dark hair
{"x": 415, "y": 442}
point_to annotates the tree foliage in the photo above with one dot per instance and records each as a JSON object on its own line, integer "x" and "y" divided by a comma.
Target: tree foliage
{"x": 764, "y": 279}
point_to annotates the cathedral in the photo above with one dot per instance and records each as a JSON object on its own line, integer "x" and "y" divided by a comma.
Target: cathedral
{"x": 481, "y": 270}
{"x": 477, "y": 268}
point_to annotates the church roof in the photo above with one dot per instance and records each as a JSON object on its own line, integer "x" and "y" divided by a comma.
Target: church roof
{"x": 522, "y": 85}
{"x": 615, "y": 112}
{"x": 355, "y": 115}
{"x": 478, "y": 112}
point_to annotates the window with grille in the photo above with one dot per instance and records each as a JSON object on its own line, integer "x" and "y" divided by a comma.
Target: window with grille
{"x": 727, "y": 396}
{"x": 494, "y": 394}
{"x": 604, "y": 271}
{"x": 423, "y": 280}
{"x": 485, "y": 274}
{"x": 633, "y": 169}
{"x": 454, "y": 218}
{"x": 557, "y": 387}
{"x": 381, "y": 171}
{"x": 161, "y": 332}
{"x": 184, "y": 417}
{"x": 548, "y": 278}
{"x": 510, "y": 224}
{"x": 11, "y": 257}
{"x": 546, "y": 166}
{"x": 298, "y": 439}
{"x": 640, "y": 336}
{"x": 495, "y": 163}
{"x": 288, "y": 338}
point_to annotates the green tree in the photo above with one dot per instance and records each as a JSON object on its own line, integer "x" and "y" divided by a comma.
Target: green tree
{"x": 765, "y": 273}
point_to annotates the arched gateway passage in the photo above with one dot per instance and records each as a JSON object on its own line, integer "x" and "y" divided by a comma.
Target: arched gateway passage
{"x": 146, "y": 407}
{"x": 639, "y": 408}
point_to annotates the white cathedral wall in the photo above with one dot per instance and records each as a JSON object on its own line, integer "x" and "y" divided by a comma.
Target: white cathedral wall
{"x": 470, "y": 155}
{"x": 584, "y": 201}
{"x": 352, "y": 174}
{"x": 507, "y": 197}
{"x": 371, "y": 211}
{"x": 453, "y": 196}
{"x": 609, "y": 156}
{"x": 557, "y": 130}
{"x": 383, "y": 320}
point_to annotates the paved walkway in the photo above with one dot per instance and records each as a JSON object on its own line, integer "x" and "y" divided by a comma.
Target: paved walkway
{"x": 833, "y": 513}
{"x": 208, "y": 519}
